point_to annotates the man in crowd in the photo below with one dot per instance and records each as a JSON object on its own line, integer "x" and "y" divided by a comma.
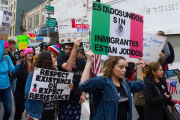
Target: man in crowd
{"x": 14, "y": 57}
{"x": 71, "y": 109}
{"x": 166, "y": 50}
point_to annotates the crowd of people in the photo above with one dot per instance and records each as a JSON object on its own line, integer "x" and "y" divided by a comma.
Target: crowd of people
{"x": 110, "y": 94}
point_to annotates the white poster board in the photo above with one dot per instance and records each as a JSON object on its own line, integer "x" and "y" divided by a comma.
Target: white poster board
{"x": 152, "y": 46}
{"x": 86, "y": 46}
{"x": 50, "y": 85}
{"x": 71, "y": 29}
{"x": 6, "y": 18}
{"x": 46, "y": 39}
{"x": 174, "y": 66}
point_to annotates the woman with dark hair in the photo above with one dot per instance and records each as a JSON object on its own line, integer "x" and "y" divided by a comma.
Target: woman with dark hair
{"x": 156, "y": 93}
{"x": 22, "y": 74}
{"x": 116, "y": 100}
{"x": 36, "y": 109}
{"x": 21, "y": 54}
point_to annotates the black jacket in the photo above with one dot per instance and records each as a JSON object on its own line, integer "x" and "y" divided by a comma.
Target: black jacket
{"x": 154, "y": 108}
{"x": 22, "y": 75}
{"x": 14, "y": 60}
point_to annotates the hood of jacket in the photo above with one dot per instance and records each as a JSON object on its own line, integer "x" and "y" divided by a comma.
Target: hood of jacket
{"x": 1, "y": 49}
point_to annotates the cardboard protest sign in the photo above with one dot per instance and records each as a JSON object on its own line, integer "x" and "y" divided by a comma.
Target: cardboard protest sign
{"x": 4, "y": 33}
{"x": 50, "y": 85}
{"x": 71, "y": 29}
{"x": 116, "y": 32}
{"x": 6, "y": 18}
{"x": 46, "y": 39}
{"x": 85, "y": 46}
{"x": 37, "y": 50}
{"x": 23, "y": 39}
{"x": 152, "y": 46}
{"x": 172, "y": 73}
{"x": 22, "y": 45}
{"x": 174, "y": 66}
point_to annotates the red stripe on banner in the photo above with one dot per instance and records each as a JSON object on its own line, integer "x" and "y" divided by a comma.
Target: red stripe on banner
{"x": 137, "y": 35}
{"x": 73, "y": 23}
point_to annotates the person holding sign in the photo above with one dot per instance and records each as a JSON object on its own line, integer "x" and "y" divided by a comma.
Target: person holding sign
{"x": 22, "y": 74}
{"x": 156, "y": 93}
{"x": 71, "y": 109}
{"x": 6, "y": 67}
{"x": 36, "y": 109}
{"x": 116, "y": 100}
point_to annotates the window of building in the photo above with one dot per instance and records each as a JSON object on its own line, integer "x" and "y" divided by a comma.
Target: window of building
{"x": 36, "y": 20}
{"x": 25, "y": 24}
{"x": 30, "y": 22}
{"x": 4, "y": 2}
{"x": 12, "y": 7}
{"x": 43, "y": 17}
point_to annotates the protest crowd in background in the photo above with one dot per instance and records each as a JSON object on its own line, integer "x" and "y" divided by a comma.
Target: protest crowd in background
{"x": 51, "y": 82}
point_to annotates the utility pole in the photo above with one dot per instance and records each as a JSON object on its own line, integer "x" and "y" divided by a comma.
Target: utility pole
{"x": 48, "y": 28}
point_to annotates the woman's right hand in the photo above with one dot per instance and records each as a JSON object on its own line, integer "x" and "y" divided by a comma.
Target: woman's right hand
{"x": 89, "y": 55}
{"x": 167, "y": 96}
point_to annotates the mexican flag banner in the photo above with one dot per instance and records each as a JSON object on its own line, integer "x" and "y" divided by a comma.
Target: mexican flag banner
{"x": 116, "y": 32}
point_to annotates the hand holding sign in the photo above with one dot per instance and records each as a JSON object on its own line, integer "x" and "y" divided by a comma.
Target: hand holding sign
{"x": 140, "y": 63}
{"x": 76, "y": 44}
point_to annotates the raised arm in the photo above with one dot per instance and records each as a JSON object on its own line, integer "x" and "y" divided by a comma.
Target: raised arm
{"x": 11, "y": 66}
{"x": 69, "y": 64}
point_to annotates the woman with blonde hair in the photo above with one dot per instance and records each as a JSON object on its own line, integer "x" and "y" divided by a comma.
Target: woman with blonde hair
{"x": 116, "y": 100}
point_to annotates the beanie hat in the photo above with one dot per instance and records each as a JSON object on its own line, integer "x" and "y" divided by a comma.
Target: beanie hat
{"x": 28, "y": 50}
{"x": 6, "y": 44}
{"x": 55, "y": 49}
{"x": 80, "y": 48}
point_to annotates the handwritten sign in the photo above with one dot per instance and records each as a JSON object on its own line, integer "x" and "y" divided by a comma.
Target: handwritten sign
{"x": 7, "y": 18}
{"x": 174, "y": 66}
{"x": 152, "y": 46}
{"x": 50, "y": 85}
{"x": 22, "y": 45}
{"x": 73, "y": 29}
{"x": 46, "y": 39}
{"x": 116, "y": 32}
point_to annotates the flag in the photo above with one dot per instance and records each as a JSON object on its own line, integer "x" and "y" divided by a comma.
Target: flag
{"x": 116, "y": 32}
{"x": 97, "y": 69}
{"x": 172, "y": 87}
{"x": 32, "y": 37}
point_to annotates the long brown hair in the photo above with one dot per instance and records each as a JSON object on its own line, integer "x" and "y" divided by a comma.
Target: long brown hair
{"x": 24, "y": 60}
{"x": 109, "y": 65}
{"x": 44, "y": 61}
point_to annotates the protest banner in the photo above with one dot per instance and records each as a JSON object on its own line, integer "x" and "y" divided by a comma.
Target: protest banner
{"x": 71, "y": 29}
{"x": 22, "y": 45}
{"x": 116, "y": 32}
{"x": 152, "y": 46}
{"x": 37, "y": 50}
{"x": 46, "y": 39}
{"x": 23, "y": 39}
{"x": 50, "y": 85}
{"x": 6, "y": 18}
{"x": 172, "y": 73}
{"x": 174, "y": 66}
{"x": 85, "y": 46}
{"x": 4, "y": 33}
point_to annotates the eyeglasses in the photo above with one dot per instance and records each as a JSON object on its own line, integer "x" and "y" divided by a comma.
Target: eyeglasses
{"x": 80, "y": 52}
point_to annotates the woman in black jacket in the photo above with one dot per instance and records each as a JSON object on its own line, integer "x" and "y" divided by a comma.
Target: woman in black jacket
{"x": 154, "y": 102}
{"x": 22, "y": 75}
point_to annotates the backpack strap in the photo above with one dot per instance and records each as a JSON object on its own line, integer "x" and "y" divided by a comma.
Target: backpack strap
{"x": 8, "y": 65}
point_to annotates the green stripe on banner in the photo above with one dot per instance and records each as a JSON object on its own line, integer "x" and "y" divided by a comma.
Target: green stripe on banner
{"x": 100, "y": 27}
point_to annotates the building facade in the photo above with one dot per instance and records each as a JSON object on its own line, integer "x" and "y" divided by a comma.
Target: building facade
{"x": 20, "y": 7}
{"x": 34, "y": 22}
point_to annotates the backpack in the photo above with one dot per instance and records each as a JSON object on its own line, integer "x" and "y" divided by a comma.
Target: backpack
{"x": 97, "y": 98}
{"x": 170, "y": 59}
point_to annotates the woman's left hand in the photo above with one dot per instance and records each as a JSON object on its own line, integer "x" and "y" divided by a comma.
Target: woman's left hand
{"x": 18, "y": 62}
{"x": 71, "y": 86}
{"x": 140, "y": 63}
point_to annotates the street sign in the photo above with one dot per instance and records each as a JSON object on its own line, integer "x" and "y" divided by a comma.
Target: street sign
{"x": 50, "y": 23}
{"x": 50, "y": 18}
{"x": 49, "y": 8}
{"x": 49, "y": 12}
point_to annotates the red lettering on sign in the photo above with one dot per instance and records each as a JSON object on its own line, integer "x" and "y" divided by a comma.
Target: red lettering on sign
{"x": 82, "y": 26}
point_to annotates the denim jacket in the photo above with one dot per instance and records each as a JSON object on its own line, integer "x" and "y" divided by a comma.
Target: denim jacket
{"x": 108, "y": 106}
{"x": 33, "y": 107}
